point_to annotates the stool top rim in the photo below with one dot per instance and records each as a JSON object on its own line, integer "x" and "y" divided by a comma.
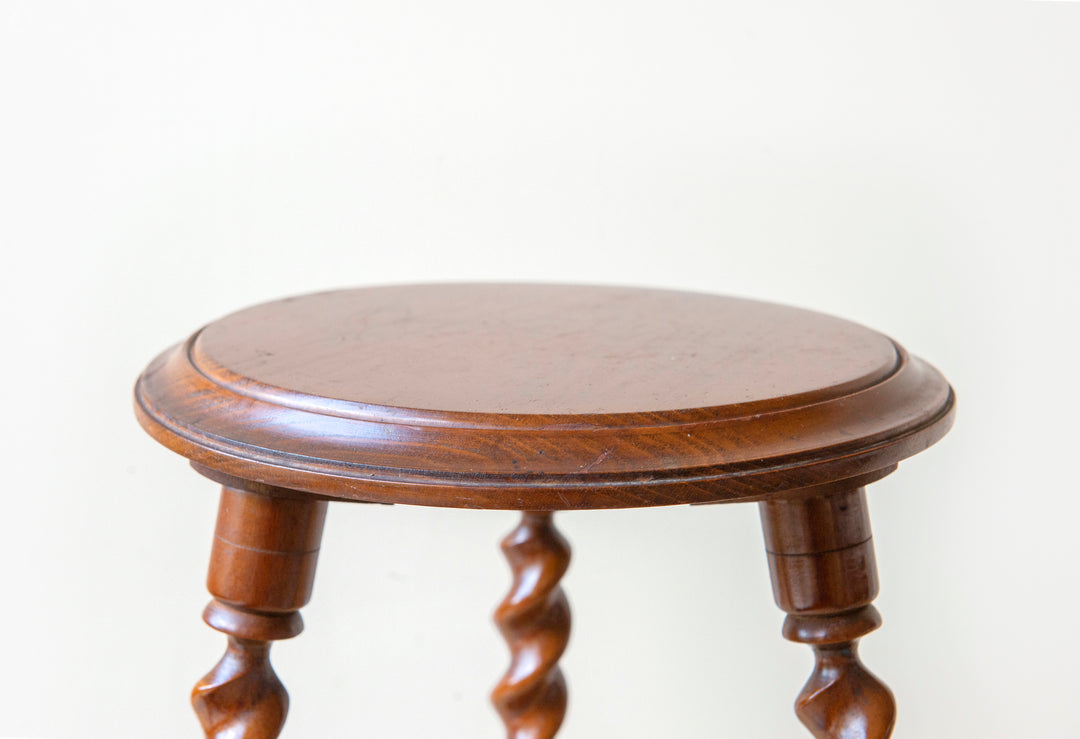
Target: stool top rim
{"x": 535, "y": 395}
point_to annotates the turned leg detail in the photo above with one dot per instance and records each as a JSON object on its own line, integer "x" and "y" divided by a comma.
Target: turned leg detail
{"x": 535, "y": 620}
{"x": 262, "y": 568}
{"x": 824, "y": 576}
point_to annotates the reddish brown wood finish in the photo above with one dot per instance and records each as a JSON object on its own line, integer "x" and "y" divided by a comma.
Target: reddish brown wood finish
{"x": 242, "y": 696}
{"x": 541, "y": 398}
{"x": 535, "y": 619}
{"x": 821, "y": 558}
{"x": 262, "y": 568}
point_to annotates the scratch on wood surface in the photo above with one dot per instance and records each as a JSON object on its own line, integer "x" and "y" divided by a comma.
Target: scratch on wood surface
{"x": 603, "y": 455}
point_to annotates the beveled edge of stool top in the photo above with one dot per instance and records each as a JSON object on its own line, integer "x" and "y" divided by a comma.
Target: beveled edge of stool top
{"x": 540, "y": 397}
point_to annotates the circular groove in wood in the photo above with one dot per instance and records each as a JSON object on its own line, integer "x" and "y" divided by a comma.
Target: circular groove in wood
{"x": 424, "y": 353}
{"x": 874, "y": 406}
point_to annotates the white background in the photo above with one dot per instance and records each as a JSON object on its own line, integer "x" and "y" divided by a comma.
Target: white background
{"x": 912, "y": 166}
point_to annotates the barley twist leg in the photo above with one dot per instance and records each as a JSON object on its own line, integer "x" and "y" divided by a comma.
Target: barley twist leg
{"x": 262, "y": 568}
{"x": 824, "y": 575}
{"x": 535, "y": 620}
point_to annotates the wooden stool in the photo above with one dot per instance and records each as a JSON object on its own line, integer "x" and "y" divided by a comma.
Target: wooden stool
{"x": 540, "y": 398}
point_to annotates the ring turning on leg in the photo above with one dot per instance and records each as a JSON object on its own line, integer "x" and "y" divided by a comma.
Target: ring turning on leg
{"x": 261, "y": 573}
{"x": 535, "y": 620}
{"x": 821, "y": 559}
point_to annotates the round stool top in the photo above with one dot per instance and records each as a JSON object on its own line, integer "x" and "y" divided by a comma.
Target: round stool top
{"x": 540, "y": 397}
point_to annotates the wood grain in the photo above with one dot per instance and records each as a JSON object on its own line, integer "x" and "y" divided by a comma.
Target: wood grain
{"x": 821, "y": 558}
{"x": 541, "y": 398}
{"x": 242, "y": 697}
{"x": 533, "y": 397}
{"x": 262, "y": 570}
{"x": 535, "y": 620}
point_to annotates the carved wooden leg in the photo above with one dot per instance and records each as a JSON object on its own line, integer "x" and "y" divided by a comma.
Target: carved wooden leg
{"x": 261, "y": 572}
{"x": 535, "y": 620}
{"x": 821, "y": 559}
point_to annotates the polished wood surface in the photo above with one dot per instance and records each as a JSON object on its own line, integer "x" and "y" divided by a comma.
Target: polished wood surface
{"x": 262, "y": 570}
{"x": 535, "y": 620}
{"x": 824, "y": 575}
{"x": 242, "y": 696}
{"x": 540, "y": 397}
{"x": 548, "y": 350}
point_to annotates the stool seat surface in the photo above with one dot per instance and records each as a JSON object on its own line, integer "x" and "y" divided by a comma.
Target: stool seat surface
{"x": 540, "y": 396}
